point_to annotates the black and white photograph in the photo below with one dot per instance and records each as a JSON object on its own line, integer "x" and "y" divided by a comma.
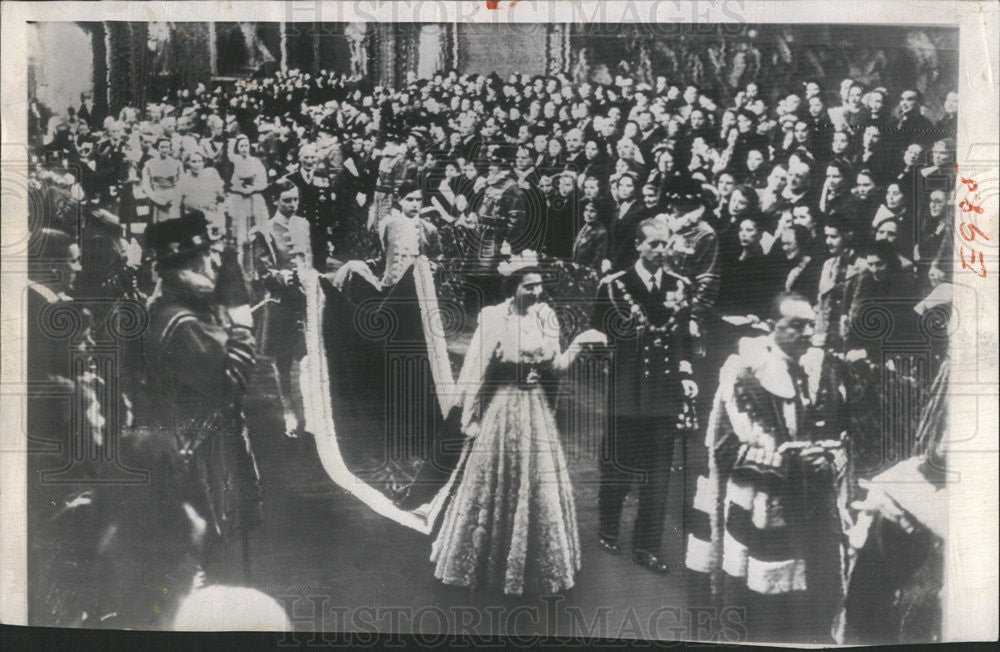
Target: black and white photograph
{"x": 626, "y": 320}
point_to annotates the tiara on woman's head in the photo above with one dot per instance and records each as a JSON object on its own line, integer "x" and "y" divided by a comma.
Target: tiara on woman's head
{"x": 525, "y": 260}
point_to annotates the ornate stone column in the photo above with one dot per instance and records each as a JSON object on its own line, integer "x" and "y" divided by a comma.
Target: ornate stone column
{"x": 384, "y": 47}
{"x": 557, "y": 48}
{"x": 98, "y": 38}
{"x": 119, "y": 65}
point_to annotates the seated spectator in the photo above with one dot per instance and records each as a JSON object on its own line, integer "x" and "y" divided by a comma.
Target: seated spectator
{"x": 770, "y": 194}
{"x": 799, "y": 271}
{"x": 879, "y": 288}
{"x": 868, "y": 196}
{"x": 806, "y": 216}
{"x": 874, "y": 155}
{"x": 835, "y": 197}
{"x": 591, "y": 244}
{"x": 563, "y": 218}
{"x": 746, "y": 285}
{"x": 908, "y": 175}
{"x": 888, "y": 231}
{"x": 841, "y": 264}
{"x": 894, "y": 208}
{"x": 935, "y": 240}
{"x": 651, "y": 204}
{"x": 743, "y": 203}
{"x": 940, "y": 174}
{"x": 840, "y": 148}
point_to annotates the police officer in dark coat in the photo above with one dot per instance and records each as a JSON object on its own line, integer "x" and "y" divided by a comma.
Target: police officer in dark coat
{"x": 643, "y": 311}
{"x": 199, "y": 353}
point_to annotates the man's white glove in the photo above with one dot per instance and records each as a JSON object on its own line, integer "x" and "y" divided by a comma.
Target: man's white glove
{"x": 241, "y": 316}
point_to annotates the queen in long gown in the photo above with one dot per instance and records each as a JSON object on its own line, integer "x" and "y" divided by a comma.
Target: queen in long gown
{"x": 511, "y": 524}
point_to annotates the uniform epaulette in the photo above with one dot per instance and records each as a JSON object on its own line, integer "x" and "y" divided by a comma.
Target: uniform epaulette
{"x": 611, "y": 277}
{"x": 677, "y": 276}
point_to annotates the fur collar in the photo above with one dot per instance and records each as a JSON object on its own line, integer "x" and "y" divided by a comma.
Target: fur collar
{"x": 762, "y": 357}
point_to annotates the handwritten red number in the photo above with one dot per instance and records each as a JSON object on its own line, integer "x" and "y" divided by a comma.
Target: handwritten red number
{"x": 967, "y": 207}
{"x": 969, "y": 232}
{"x": 981, "y": 272}
{"x": 971, "y": 183}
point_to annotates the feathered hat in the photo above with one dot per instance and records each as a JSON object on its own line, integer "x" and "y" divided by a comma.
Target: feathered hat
{"x": 526, "y": 260}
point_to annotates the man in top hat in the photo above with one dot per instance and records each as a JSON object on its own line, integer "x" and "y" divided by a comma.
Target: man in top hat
{"x": 199, "y": 352}
{"x": 643, "y": 311}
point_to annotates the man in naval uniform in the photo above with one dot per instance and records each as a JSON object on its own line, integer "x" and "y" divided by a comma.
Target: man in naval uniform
{"x": 315, "y": 199}
{"x": 643, "y": 311}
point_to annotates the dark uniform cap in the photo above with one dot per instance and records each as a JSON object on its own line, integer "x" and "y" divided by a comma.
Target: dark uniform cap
{"x": 682, "y": 188}
{"x": 406, "y": 187}
{"x": 178, "y": 237}
{"x": 502, "y": 155}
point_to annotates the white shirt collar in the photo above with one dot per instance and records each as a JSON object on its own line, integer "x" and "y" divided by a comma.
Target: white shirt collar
{"x": 646, "y": 276}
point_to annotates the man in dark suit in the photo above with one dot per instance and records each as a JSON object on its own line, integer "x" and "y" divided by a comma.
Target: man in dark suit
{"x": 628, "y": 214}
{"x": 650, "y": 135}
{"x": 472, "y": 147}
{"x": 88, "y": 111}
{"x": 912, "y": 126}
{"x": 643, "y": 313}
{"x": 314, "y": 202}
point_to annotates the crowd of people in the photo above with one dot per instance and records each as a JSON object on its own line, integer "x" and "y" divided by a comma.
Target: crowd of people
{"x": 786, "y": 224}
